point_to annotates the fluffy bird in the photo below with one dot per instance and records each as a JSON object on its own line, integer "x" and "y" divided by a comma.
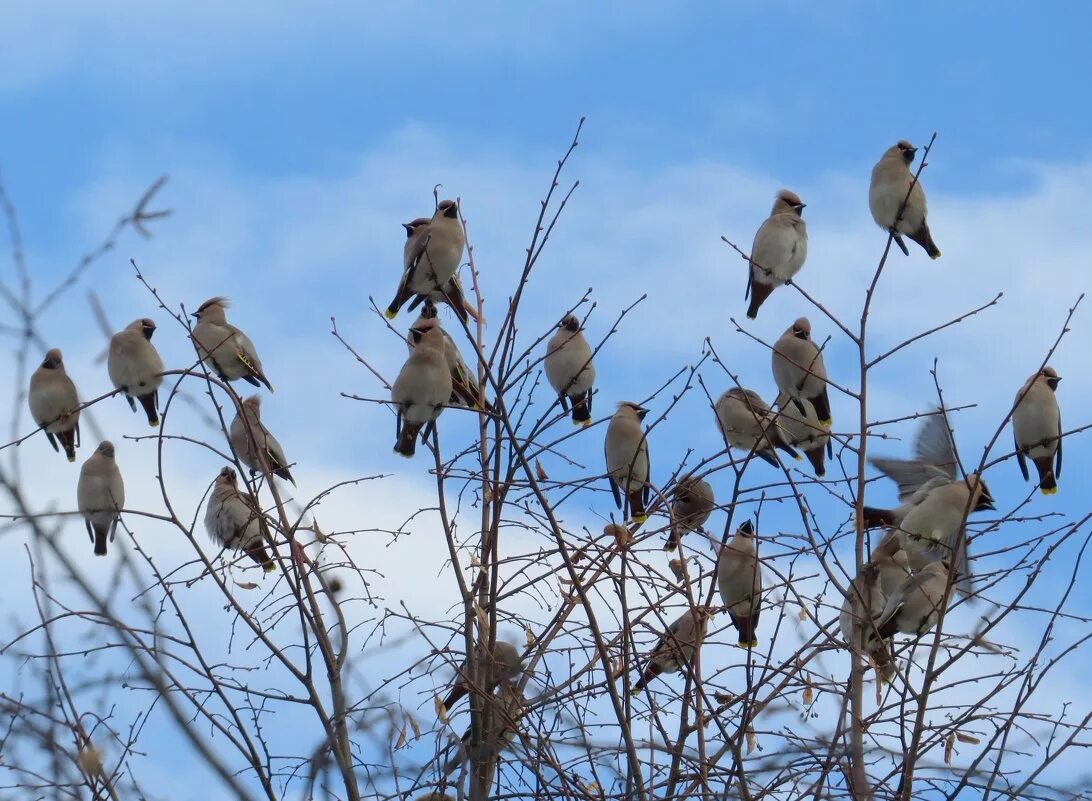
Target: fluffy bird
{"x": 799, "y": 370}
{"x": 779, "y": 250}
{"x": 691, "y": 504}
{"x": 100, "y": 496}
{"x": 504, "y": 664}
{"x": 626, "y": 451}
{"x": 135, "y": 367}
{"x": 866, "y": 597}
{"x": 934, "y": 500}
{"x": 464, "y": 385}
{"x": 506, "y": 709}
{"x": 915, "y": 606}
{"x": 430, "y": 259}
{"x": 804, "y": 431}
{"x": 739, "y": 579}
{"x": 748, "y": 424}
{"x": 224, "y": 348}
{"x": 234, "y": 520}
{"x": 1037, "y": 428}
{"x": 54, "y": 405}
{"x": 569, "y": 368}
{"x": 250, "y": 439}
{"x": 893, "y": 185}
{"x": 676, "y": 648}
{"x": 422, "y": 387}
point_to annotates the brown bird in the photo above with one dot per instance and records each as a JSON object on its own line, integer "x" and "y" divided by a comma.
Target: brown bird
{"x": 135, "y": 367}
{"x": 100, "y": 495}
{"x": 464, "y": 385}
{"x": 1037, "y": 429}
{"x": 430, "y": 260}
{"x": 748, "y": 424}
{"x": 676, "y": 648}
{"x": 249, "y": 438}
{"x": 803, "y": 431}
{"x": 894, "y": 190}
{"x": 224, "y": 348}
{"x": 54, "y": 405}
{"x": 799, "y": 370}
{"x": 234, "y": 519}
{"x": 626, "y": 451}
{"x": 779, "y": 250}
{"x": 505, "y": 664}
{"x": 691, "y": 504}
{"x": 569, "y": 368}
{"x": 422, "y": 387}
{"x": 739, "y": 578}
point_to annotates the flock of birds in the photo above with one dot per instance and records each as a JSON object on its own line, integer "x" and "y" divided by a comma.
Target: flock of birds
{"x": 902, "y": 589}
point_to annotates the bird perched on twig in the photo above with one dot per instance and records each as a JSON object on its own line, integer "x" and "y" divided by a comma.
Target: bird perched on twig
{"x": 799, "y": 370}
{"x": 54, "y": 404}
{"x": 1037, "y": 429}
{"x": 249, "y": 437}
{"x": 748, "y": 424}
{"x": 779, "y": 250}
{"x": 504, "y": 664}
{"x": 100, "y": 495}
{"x": 464, "y": 384}
{"x": 223, "y": 347}
{"x": 135, "y": 367}
{"x": 234, "y": 519}
{"x": 894, "y": 189}
{"x": 804, "y": 431}
{"x": 691, "y": 504}
{"x": 430, "y": 260}
{"x": 422, "y": 387}
{"x": 739, "y": 579}
{"x": 626, "y": 451}
{"x": 569, "y": 368}
{"x": 676, "y": 648}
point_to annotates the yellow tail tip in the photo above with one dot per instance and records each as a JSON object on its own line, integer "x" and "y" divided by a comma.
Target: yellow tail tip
{"x": 1050, "y": 491}
{"x": 153, "y": 423}
{"x": 71, "y": 458}
{"x": 748, "y": 645}
{"x": 586, "y": 423}
{"x": 935, "y": 256}
{"x": 798, "y": 458}
{"x": 826, "y": 423}
{"x": 390, "y": 315}
{"x": 635, "y": 692}
{"x": 639, "y": 519}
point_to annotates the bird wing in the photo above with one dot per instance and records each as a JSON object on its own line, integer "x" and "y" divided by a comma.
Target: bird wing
{"x": 934, "y": 444}
{"x": 915, "y": 479}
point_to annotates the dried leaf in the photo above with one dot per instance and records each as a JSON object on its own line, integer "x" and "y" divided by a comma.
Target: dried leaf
{"x": 246, "y": 585}
{"x": 540, "y": 472}
{"x": 967, "y": 738}
{"x": 678, "y": 568}
{"x": 802, "y": 614}
{"x": 949, "y": 746}
{"x": 401, "y": 739}
{"x": 413, "y": 724}
{"x": 723, "y": 698}
{"x": 530, "y": 636}
{"x": 483, "y": 621}
{"x": 438, "y": 705}
{"x": 592, "y": 788}
{"x": 750, "y": 739}
{"x": 619, "y": 532}
{"x": 809, "y": 694}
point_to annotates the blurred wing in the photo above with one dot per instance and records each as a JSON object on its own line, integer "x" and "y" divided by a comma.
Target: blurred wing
{"x": 912, "y": 477}
{"x": 934, "y": 444}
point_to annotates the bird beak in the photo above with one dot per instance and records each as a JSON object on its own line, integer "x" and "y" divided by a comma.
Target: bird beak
{"x": 1053, "y": 382}
{"x": 747, "y": 527}
{"x": 194, "y": 315}
{"x": 987, "y": 503}
{"x": 408, "y": 227}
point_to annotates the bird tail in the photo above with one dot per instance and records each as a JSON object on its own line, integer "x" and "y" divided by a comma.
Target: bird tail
{"x": 100, "y": 534}
{"x": 407, "y": 439}
{"x": 259, "y": 555}
{"x": 636, "y": 500}
{"x": 815, "y": 456}
{"x": 68, "y": 442}
{"x": 652, "y": 671}
{"x": 759, "y": 293}
{"x": 880, "y": 652}
{"x": 874, "y": 517}
{"x": 582, "y": 409}
{"x": 149, "y": 403}
{"x": 1048, "y": 485}
{"x": 457, "y": 692}
{"x": 821, "y": 402}
{"x": 746, "y": 628}
{"x": 674, "y": 538}
{"x": 925, "y": 239}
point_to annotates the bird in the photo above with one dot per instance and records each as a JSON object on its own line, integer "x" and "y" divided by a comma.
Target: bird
{"x": 464, "y": 385}
{"x": 249, "y": 437}
{"x": 626, "y": 451}
{"x": 739, "y": 579}
{"x": 779, "y": 250}
{"x": 504, "y": 664}
{"x": 234, "y": 520}
{"x": 691, "y": 504}
{"x": 54, "y": 404}
{"x": 676, "y": 647}
{"x": 100, "y": 495}
{"x": 799, "y": 371}
{"x": 934, "y": 500}
{"x": 804, "y": 431}
{"x": 422, "y": 387}
{"x": 866, "y": 597}
{"x": 506, "y": 709}
{"x": 223, "y": 347}
{"x": 430, "y": 259}
{"x": 916, "y": 605}
{"x": 135, "y": 367}
{"x": 569, "y": 368}
{"x": 893, "y": 185}
{"x": 1037, "y": 428}
{"x": 748, "y": 424}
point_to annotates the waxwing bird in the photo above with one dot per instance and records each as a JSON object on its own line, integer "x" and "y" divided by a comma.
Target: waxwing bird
{"x": 224, "y": 348}
{"x": 676, "y": 648}
{"x": 100, "y": 495}
{"x": 691, "y": 504}
{"x": 431, "y": 258}
{"x": 893, "y": 185}
{"x": 422, "y": 387}
{"x": 934, "y": 500}
{"x": 464, "y": 385}
{"x": 135, "y": 367}
{"x": 799, "y": 371}
{"x": 915, "y": 606}
{"x": 250, "y": 438}
{"x": 779, "y": 250}
{"x": 804, "y": 431}
{"x": 451, "y": 292}
{"x": 1037, "y": 428}
{"x": 234, "y": 519}
{"x": 54, "y": 405}
{"x": 748, "y": 424}
{"x": 506, "y": 710}
{"x": 504, "y": 664}
{"x": 739, "y": 578}
{"x": 626, "y": 450}
{"x": 866, "y": 598}
{"x": 569, "y": 368}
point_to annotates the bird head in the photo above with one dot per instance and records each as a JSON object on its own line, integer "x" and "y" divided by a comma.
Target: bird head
{"x": 788, "y": 200}
{"x": 801, "y": 329}
{"x": 906, "y": 150}
{"x": 106, "y": 448}
{"x": 629, "y": 407}
{"x": 212, "y": 308}
{"x": 52, "y": 359}
{"x": 569, "y": 323}
{"x": 746, "y": 529}
{"x": 448, "y": 208}
{"x": 413, "y": 225}
{"x": 1050, "y": 375}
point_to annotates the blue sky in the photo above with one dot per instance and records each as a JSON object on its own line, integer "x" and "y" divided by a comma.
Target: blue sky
{"x": 297, "y": 139}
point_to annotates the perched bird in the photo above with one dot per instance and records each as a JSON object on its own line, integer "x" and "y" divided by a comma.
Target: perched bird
{"x": 504, "y": 664}
{"x": 430, "y": 260}
{"x": 249, "y": 437}
{"x": 915, "y": 606}
{"x": 779, "y": 250}
{"x": 422, "y": 387}
{"x": 1037, "y": 427}
{"x": 135, "y": 367}
{"x": 464, "y": 385}
{"x": 739, "y": 578}
{"x": 505, "y": 710}
{"x": 676, "y": 647}
{"x": 100, "y": 495}
{"x": 569, "y": 368}
{"x": 893, "y": 184}
{"x": 224, "y": 348}
{"x": 626, "y": 451}
{"x": 799, "y": 371}
{"x": 934, "y": 501}
{"x": 452, "y": 292}
{"x": 691, "y": 504}
{"x": 804, "y": 431}
{"x": 234, "y": 519}
{"x": 54, "y": 404}
{"x": 748, "y": 424}
{"x": 867, "y": 596}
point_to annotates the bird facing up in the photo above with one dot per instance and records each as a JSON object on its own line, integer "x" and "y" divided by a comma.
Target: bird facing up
{"x": 799, "y": 369}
